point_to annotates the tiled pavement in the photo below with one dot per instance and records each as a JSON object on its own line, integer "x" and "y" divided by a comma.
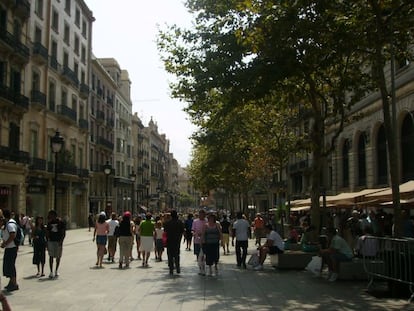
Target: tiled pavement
{"x": 83, "y": 287}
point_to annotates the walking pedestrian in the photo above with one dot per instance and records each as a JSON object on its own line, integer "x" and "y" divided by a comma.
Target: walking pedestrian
{"x": 147, "y": 233}
{"x": 137, "y": 222}
{"x": 10, "y": 250}
{"x": 159, "y": 245}
{"x": 197, "y": 230}
{"x": 225, "y": 227}
{"x": 112, "y": 236}
{"x": 126, "y": 233}
{"x": 241, "y": 233}
{"x": 188, "y": 235}
{"x": 174, "y": 229}
{"x": 39, "y": 245}
{"x": 211, "y": 238}
{"x": 55, "y": 234}
{"x": 26, "y": 226}
{"x": 100, "y": 232}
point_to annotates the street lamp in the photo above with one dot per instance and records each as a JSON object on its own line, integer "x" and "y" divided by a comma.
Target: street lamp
{"x": 133, "y": 177}
{"x": 147, "y": 186}
{"x": 107, "y": 169}
{"x": 56, "y": 143}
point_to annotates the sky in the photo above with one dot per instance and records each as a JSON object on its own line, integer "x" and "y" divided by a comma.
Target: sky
{"x": 126, "y": 30}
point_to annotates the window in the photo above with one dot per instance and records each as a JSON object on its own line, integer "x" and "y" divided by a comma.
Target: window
{"x": 38, "y": 35}
{"x": 35, "y": 81}
{"x": 3, "y": 18}
{"x": 76, "y": 68}
{"x": 73, "y": 152}
{"x": 77, "y": 17}
{"x": 34, "y": 143}
{"x": 65, "y": 59}
{"x": 83, "y": 54}
{"x": 66, "y": 34}
{"x": 54, "y": 50}
{"x": 52, "y": 96}
{"x": 84, "y": 29}
{"x": 55, "y": 20}
{"x": 80, "y": 158}
{"x": 39, "y": 8}
{"x": 74, "y": 102}
{"x": 67, "y": 6}
{"x": 64, "y": 98}
{"x": 3, "y": 73}
{"x": 76, "y": 48}
{"x": 82, "y": 76}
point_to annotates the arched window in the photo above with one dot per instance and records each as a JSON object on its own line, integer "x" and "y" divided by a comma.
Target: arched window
{"x": 382, "y": 162}
{"x": 345, "y": 164}
{"x": 362, "y": 167}
{"x": 407, "y": 148}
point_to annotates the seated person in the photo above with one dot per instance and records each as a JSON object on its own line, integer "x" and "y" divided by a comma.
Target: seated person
{"x": 293, "y": 235}
{"x": 308, "y": 240}
{"x": 274, "y": 245}
{"x": 366, "y": 247}
{"x": 338, "y": 251}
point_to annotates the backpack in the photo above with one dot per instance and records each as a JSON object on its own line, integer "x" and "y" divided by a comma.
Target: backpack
{"x": 19, "y": 235}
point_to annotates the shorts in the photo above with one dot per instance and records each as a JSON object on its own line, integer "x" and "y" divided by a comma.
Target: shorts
{"x": 54, "y": 249}
{"x": 226, "y": 238}
{"x": 339, "y": 257}
{"x": 101, "y": 239}
{"x": 274, "y": 250}
{"x": 9, "y": 262}
{"x": 112, "y": 242}
{"x": 197, "y": 248}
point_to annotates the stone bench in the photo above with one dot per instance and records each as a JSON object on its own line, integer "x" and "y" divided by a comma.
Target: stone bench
{"x": 291, "y": 260}
{"x": 354, "y": 270}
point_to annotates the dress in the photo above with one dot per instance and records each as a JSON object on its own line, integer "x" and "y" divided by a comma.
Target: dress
{"x": 211, "y": 244}
{"x": 39, "y": 245}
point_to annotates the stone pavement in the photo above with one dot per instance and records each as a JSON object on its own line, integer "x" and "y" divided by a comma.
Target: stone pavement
{"x": 81, "y": 286}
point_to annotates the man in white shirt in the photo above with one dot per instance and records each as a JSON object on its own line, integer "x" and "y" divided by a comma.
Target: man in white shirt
{"x": 10, "y": 250}
{"x": 274, "y": 245}
{"x": 241, "y": 233}
{"x": 113, "y": 223}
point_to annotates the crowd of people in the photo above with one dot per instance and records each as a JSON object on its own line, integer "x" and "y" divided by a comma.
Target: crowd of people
{"x": 205, "y": 234}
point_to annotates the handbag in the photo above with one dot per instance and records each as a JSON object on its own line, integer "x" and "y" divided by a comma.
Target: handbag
{"x": 253, "y": 260}
{"x": 315, "y": 265}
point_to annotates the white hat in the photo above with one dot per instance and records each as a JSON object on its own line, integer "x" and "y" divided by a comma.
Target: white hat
{"x": 102, "y": 213}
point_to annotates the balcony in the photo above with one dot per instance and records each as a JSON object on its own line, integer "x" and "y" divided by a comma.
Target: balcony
{"x": 69, "y": 76}
{"x": 105, "y": 143}
{"x": 84, "y": 91}
{"x": 39, "y": 53}
{"x": 82, "y": 172}
{"x": 67, "y": 113}
{"x": 11, "y": 44}
{"x": 37, "y": 164}
{"x": 6, "y": 153}
{"x": 83, "y": 124}
{"x": 125, "y": 117}
{"x": 22, "y": 9}
{"x": 38, "y": 99}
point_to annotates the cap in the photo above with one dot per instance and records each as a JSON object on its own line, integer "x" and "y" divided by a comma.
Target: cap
{"x": 127, "y": 214}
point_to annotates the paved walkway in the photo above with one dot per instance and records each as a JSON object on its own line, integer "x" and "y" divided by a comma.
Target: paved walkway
{"x": 83, "y": 287}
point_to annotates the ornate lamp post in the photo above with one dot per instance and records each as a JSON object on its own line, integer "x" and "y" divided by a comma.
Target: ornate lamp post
{"x": 107, "y": 169}
{"x": 56, "y": 143}
{"x": 133, "y": 177}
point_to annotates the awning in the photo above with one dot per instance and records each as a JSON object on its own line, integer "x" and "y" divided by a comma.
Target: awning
{"x": 406, "y": 191}
{"x": 301, "y": 208}
{"x": 352, "y": 198}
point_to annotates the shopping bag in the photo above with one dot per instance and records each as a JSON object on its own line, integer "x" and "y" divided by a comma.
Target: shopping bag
{"x": 315, "y": 265}
{"x": 253, "y": 260}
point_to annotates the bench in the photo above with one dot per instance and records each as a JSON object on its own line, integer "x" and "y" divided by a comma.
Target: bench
{"x": 291, "y": 260}
{"x": 354, "y": 270}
